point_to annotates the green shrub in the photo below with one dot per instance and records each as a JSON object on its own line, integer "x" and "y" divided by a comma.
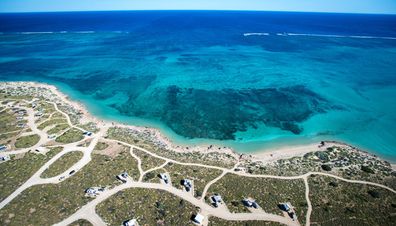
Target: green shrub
{"x": 70, "y": 136}
{"x": 367, "y": 169}
{"x": 27, "y": 141}
{"x": 374, "y": 193}
{"x": 62, "y": 164}
{"x": 326, "y": 167}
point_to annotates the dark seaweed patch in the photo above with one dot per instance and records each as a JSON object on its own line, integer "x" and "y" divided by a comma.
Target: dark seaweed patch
{"x": 105, "y": 84}
{"x": 219, "y": 114}
{"x": 34, "y": 65}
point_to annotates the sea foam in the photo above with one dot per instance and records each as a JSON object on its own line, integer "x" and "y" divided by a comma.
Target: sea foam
{"x": 341, "y": 36}
{"x": 62, "y": 32}
{"x": 320, "y": 35}
{"x": 35, "y": 32}
{"x": 256, "y": 34}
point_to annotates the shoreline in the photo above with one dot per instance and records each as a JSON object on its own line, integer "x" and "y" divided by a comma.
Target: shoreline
{"x": 154, "y": 134}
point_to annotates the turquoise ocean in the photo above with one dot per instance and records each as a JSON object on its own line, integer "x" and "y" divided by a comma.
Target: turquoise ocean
{"x": 249, "y": 80}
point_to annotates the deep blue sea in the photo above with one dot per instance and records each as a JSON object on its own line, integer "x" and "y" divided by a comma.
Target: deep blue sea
{"x": 250, "y": 80}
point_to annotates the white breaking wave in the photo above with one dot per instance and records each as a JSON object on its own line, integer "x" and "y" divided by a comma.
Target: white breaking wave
{"x": 84, "y": 32}
{"x": 257, "y": 34}
{"x": 35, "y": 32}
{"x": 342, "y": 36}
{"x": 121, "y": 32}
{"x": 322, "y": 35}
{"x": 61, "y": 32}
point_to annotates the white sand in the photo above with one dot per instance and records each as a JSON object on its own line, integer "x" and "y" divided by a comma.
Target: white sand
{"x": 270, "y": 155}
{"x": 267, "y": 155}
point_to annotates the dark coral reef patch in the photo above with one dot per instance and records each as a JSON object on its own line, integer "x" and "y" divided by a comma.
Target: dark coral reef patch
{"x": 219, "y": 114}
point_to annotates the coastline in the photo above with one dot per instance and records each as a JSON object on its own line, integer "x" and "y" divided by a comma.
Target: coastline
{"x": 154, "y": 134}
{"x": 109, "y": 150}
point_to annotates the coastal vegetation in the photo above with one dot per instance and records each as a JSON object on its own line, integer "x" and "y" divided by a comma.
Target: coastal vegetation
{"x": 51, "y": 122}
{"x": 101, "y": 146}
{"x": 7, "y": 97}
{"x": 90, "y": 126}
{"x": 341, "y": 160}
{"x": 81, "y": 222}
{"x": 45, "y": 107}
{"x": 8, "y": 122}
{"x": 150, "y": 207}
{"x": 58, "y": 115}
{"x": 73, "y": 114}
{"x": 153, "y": 176}
{"x": 214, "y": 221}
{"x": 20, "y": 168}
{"x": 337, "y": 202}
{"x": 70, "y": 136}
{"x": 8, "y": 137}
{"x": 267, "y": 192}
{"x": 214, "y": 158}
{"x": 57, "y": 201}
{"x": 58, "y": 128}
{"x": 62, "y": 164}
{"x": 47, "y": 119}
{"x": 148, "y": 161}
{"x": 27, "y": 141}
{"x": 200, "y": 176}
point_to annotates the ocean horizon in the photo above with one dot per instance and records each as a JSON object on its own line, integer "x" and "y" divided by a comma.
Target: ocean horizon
{"x": 246, "y": 79}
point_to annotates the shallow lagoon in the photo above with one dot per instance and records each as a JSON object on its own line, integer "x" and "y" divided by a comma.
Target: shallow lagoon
{"x": 198, "y": 76}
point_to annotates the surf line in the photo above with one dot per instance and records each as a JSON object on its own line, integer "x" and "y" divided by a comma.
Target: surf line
{"x": 320, "y": 35}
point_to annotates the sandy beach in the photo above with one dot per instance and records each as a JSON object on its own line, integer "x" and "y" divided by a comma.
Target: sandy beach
{"x": 265, "y": 155}
{"x": 244, "y": 167}
{"x": 285, "y": 152}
